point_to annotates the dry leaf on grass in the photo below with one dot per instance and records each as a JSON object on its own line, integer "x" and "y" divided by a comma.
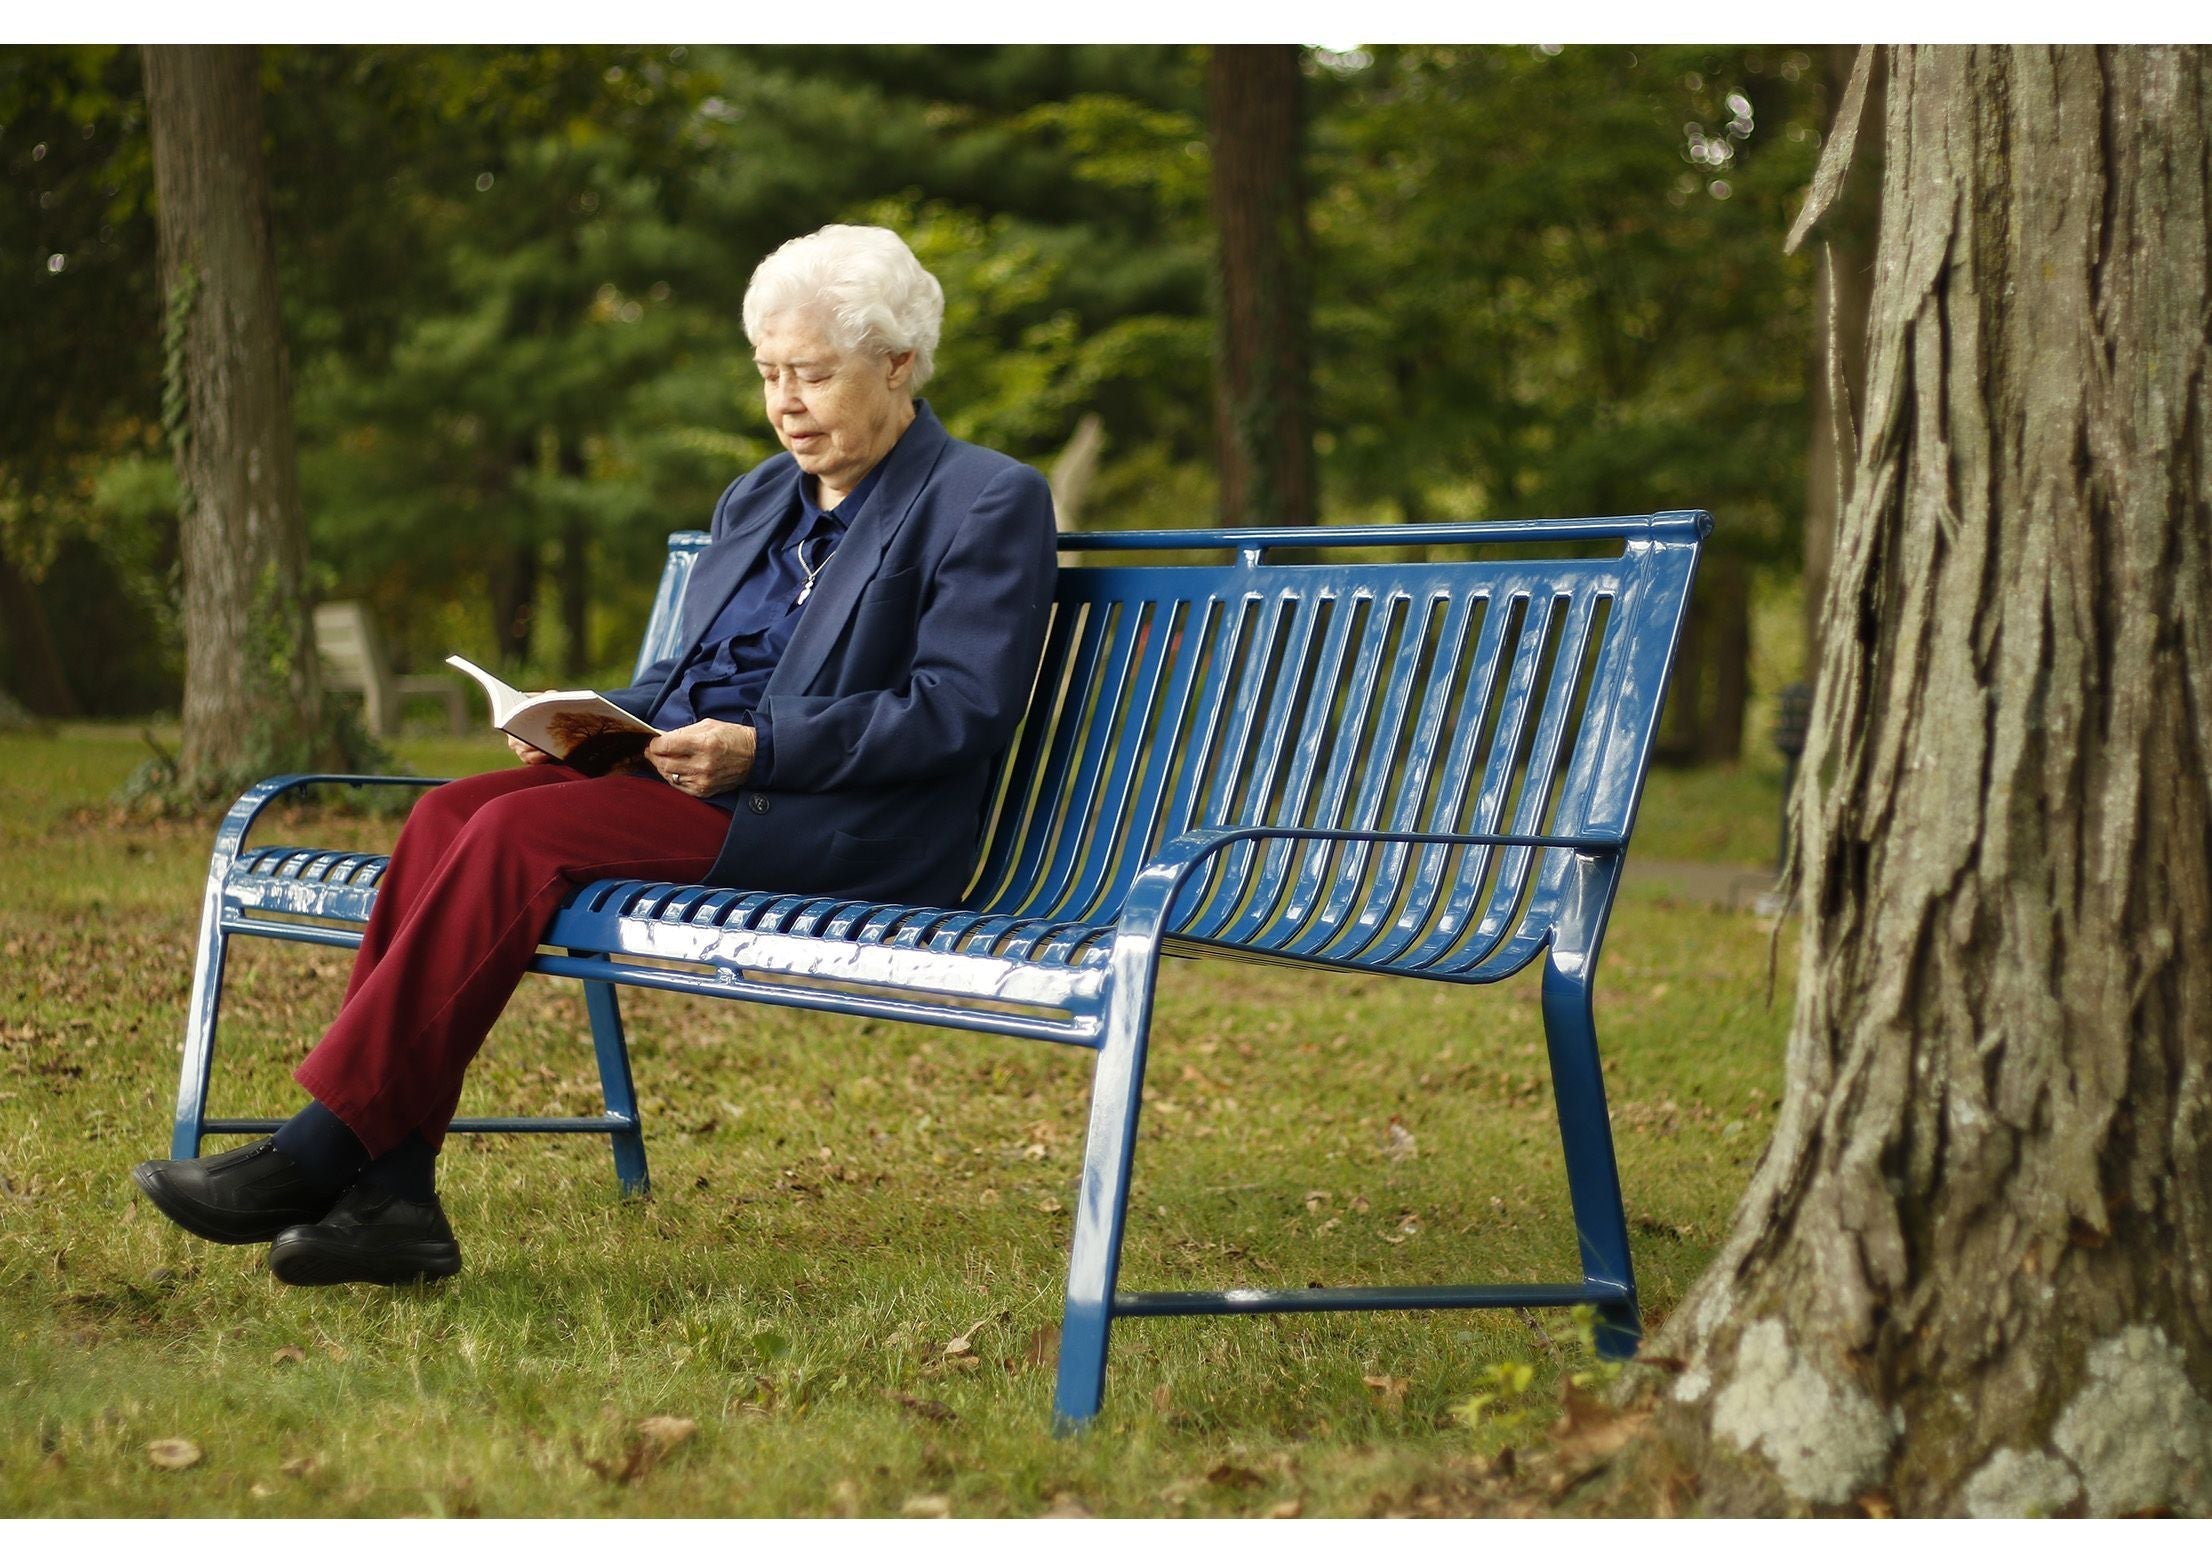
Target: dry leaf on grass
{"x": 300, "y": 1466}
{"x": 666, "y": 1432}
{"x": 1288, "y": 1510}
{"x": 1390, "y": 1389}
{"x": 1066, "y": 1506}
{"x": 1398, "y": 1142}
{"x": 927, "y": 1507}
{"x": 963, "y": 1343}
{"x": 1163, "y": 1397}
{"x": 935, "y": 1411}
{"x": 1043, "y": 1348}
{"x": 1230, "y": 1475}
{"x": 1587, "y": 1436}
{"x": 173, "y": 1455}
{"x": 284, "y": 1355}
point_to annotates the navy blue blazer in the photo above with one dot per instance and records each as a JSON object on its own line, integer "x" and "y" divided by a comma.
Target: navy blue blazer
{"x": 904, "y": 681}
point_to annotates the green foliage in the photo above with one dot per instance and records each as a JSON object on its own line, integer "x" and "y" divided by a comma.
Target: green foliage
{"x": 1551, "y": 283}
{"x": 1546, "y": 283}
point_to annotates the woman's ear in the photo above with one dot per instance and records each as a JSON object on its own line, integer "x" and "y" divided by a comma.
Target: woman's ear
{"x": 902, "y": 369}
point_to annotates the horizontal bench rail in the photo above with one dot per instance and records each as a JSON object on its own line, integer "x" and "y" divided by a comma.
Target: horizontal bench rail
{"x": 1329, "y": 1300}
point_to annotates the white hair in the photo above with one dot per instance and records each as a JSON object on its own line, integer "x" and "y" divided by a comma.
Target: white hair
{"x": 868, "y": 284}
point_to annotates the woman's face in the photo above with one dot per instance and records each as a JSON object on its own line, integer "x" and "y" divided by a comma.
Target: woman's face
{"x": 837, "y": 413}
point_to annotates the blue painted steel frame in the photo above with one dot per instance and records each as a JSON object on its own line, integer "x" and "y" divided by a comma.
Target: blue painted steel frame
{"x": 218, "y": 927}
{"x": 1056, "y": 894}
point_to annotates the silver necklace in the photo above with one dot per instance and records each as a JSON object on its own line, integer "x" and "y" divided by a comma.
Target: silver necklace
{"x": 806, "y": 587}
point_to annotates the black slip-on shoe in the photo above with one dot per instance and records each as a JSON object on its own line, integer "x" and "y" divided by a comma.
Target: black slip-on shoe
{"x": 370, "y": 1235}
{"x": 247, "y": 1196}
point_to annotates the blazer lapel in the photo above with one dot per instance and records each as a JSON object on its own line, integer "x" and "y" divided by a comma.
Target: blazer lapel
{"x": 722, "y": 565}
{"x": 854, "y": 565}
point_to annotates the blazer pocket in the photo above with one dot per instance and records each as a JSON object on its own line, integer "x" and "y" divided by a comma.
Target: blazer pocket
{"x": 898, "y": 583}
{"x": 847, "y": 848}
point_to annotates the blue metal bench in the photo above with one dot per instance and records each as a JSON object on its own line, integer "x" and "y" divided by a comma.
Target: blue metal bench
{"x": 1421, "y": 768}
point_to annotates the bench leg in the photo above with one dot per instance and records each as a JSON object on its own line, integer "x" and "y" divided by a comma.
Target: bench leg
{"x": 1102, "y": 1204}
{"x": 615, "y": 1085}
{"x": 1593, "y": 1178}
{"x": 199, "y": 1033}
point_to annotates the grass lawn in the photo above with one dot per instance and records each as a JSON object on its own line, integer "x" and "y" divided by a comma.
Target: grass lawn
{"x": 848, "y": 1279}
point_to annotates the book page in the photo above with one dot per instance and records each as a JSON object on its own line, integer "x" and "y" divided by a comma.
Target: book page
{"x": 580, "y": 727}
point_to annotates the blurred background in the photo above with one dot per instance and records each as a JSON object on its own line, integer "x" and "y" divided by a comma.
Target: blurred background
{"x": 1205, "y": 286}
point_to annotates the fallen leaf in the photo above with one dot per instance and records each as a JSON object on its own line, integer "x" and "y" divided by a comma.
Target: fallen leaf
{"x": 1049, "y": 1205}
{"x": 1398, "y": 1142}
{"x": 927, "y": 1506}
{"x": 173, "y": 1455}
{"x": 964, "y": 1342}
{"x": 1288, "y": 1510}
{"x": 261, "y": 1491}
{"x": 300, "y": 1466}
{"x": 845, "y": 1497}
{"x": 1389, "y": 1389}
{"x": 935, "y": 1411}
{"x": 1066, "y": 1506}
{"x": 287, "y": 1355}
{"x": 667, "y": 1432}
{"x": 1229, "y": 1475}
{"x": 1163, "y": 1396}
{"x": 1044, "y": 1347}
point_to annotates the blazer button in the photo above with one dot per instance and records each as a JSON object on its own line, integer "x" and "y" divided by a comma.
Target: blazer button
{"x": 757, "y": 803}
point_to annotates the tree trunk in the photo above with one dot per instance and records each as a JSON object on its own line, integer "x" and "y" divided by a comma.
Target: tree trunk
{"x": 575, "y": 598}
{"x": 514, "y": 601}
{"x": 1838, "y": 378}
{"x": 1727, "y": 593}
{"x": 1263, "y": 424}
{"x": 1702, "y": 720}
{"x": 1973, "y": 1273}
{"x": 252, "y": 693}
{"x": 39, "y": 673}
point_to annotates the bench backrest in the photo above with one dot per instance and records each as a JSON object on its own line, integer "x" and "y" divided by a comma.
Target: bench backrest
{"x": 1500, "y": 695}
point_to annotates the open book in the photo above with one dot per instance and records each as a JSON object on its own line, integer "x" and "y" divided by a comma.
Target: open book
{"x": 580, "y": 727}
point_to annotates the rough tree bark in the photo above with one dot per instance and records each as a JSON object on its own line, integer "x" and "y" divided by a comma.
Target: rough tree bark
{"x": 1973, "y": 1273}
{"x": 1263, "y": 421}
{"x": 1838, "y": 378}
{"x": 252, "y": 693}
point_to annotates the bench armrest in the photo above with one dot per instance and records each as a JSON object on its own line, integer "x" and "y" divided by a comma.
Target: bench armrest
{"x": 1144, "y": 912}
{"x": 231, "y": 835}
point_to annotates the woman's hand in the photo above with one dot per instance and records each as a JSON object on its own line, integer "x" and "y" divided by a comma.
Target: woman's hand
{"x": 528, "y": 754}
{"x": 706, "y": 758}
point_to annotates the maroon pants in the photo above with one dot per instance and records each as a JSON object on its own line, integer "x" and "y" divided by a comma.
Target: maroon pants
{"x": 481, "y": 867}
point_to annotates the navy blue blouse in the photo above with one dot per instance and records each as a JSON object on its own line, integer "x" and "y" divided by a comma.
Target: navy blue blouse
{"x": 727, "y": 672}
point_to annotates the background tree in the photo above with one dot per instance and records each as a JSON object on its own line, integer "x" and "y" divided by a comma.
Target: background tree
{"x": 1255, "y": 120}
{"x": 252, "y": 692}
{"x": 1543, "y": 282}
{"x": 1974, "y": 1270}
{"x": 1550, "y": 286}
{"x": 87, "y": 502}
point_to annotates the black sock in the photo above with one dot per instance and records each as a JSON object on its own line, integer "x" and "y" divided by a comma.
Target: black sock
{"x": 409, "y": 1170}
{"x": 327, "y": 1153}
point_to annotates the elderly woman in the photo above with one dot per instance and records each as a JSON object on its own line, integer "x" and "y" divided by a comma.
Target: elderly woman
{"x": 861, "y": 633}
